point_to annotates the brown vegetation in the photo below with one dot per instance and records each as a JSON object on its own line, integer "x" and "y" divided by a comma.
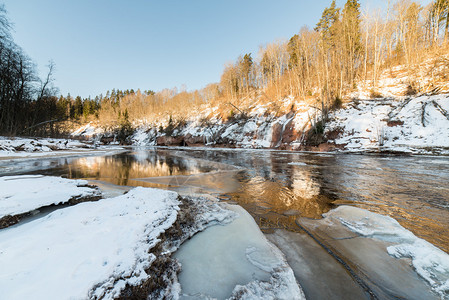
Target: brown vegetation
{"x": 318, "y": 66}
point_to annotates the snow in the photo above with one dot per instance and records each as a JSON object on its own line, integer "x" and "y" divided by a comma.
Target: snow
{"x": 430, "y": 263}
{"x": 394, "y": 125}
{"x": 22, "y": 194}
{"x": 235, "y": 260}
{"x": 26, "y": 146}
{"x": 89, "y": 250}
{"x": 144, "y": 136}
{"x": 297, "y": 163}
{"x": 94, "y": 249}
{"x": 90, "y": 129}
{"x": 18, "y": 148}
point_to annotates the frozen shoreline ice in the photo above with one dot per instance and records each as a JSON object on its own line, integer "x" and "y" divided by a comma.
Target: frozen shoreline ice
{"x": 235, "y": 261}
{"x": 431, "y": 263}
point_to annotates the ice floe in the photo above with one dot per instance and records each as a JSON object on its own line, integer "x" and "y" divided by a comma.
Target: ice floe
{"x": 430, "y": 263}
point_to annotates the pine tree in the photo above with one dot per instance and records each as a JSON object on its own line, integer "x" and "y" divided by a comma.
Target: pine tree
{"x": 245, "y": 65}
{"x": 78, "y": 107}
{"x": 351, "y": 37}
{"x": 327, "y": 25}
{"x": 292, "y": 48}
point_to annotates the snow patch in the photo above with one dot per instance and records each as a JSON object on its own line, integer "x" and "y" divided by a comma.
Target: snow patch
{"x": 22, "y": 194}
{"x": 415, "y": 125}
{"x": 88, "y": 250}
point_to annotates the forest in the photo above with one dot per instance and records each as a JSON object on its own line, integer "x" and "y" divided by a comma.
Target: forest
{"x": 319, "y": 66}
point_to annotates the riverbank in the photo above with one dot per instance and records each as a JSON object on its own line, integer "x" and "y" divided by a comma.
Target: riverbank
{"x": 397, "y": 124}
{"x": 119, "y": 247}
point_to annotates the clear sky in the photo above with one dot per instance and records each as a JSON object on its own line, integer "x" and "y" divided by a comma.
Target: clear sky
{"x": 98, "y": 45}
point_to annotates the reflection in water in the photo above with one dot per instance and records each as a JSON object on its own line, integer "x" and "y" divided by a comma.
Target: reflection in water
{"x": 124, "y": 168}
{"x": 274, "y": 192}
{"x": 304, "y": 186}
{"x": 413, "y": 190}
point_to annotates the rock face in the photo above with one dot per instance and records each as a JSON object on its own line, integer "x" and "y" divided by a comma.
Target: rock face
{"x": 191, "y": 140}
{"x": 276, "y": 134}
{"x": 170, "y": 141}
{"x": 284, "y": 133}
{"x": 289, "y": 135}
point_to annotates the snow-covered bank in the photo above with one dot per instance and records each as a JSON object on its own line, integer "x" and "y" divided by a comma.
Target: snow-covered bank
{"x": 118, "y": 246}
{"x": 417, "y": 124}
{"x": 17, "y": 147}
{"x": 22, "y": 194}
{"x": 235, "y": 261}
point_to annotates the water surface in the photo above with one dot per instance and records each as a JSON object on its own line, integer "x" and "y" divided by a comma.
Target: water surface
{"x": 277, "y": 187}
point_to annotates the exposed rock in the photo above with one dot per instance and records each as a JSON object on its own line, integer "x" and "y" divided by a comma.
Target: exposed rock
{"x": 289, "y": 135}
{"x": 276, "y": 134}
{"x": 395, "y": 123}
{"x": 192, "y": 140}
{"x": 170, "y": 141}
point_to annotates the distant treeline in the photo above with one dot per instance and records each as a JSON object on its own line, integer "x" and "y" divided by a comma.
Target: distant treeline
{"x": 319, "y": 65}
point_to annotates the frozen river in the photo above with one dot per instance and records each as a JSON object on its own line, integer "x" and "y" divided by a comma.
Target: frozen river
{"x": 287, "y": 193}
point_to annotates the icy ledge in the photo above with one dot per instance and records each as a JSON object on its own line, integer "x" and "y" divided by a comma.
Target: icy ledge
{"x": 25, "y": 193}
{"x": 430, "y": 263}
{"x": 113, "y": 247}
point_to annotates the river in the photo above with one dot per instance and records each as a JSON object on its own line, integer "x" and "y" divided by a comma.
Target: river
{"x": 277, "y": 187}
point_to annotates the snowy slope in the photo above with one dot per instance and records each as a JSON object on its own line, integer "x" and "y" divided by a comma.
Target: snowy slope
{"x": 259, "y": 128}
{"x": 415, "y": 125}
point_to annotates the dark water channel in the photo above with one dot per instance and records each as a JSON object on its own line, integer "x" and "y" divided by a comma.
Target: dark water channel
{"x": 278, "y": 187}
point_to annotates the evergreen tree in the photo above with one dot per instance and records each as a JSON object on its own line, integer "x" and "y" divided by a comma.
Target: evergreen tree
{"x": 327, "y": 25}
{"x": 293, "y": 49}
{"x": 78, "y": 107}
{"x": 351, "y": 37}
{"x": 351, "y": 26}
{"x": 245, "y": 66}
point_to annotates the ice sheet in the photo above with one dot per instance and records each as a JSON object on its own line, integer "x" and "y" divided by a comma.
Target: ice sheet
{"x": 235, "y": 259}
{"x": 430, "y": 263}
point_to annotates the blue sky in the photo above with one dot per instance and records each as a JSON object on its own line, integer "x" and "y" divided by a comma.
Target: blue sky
{"x": 98, "y": 45}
